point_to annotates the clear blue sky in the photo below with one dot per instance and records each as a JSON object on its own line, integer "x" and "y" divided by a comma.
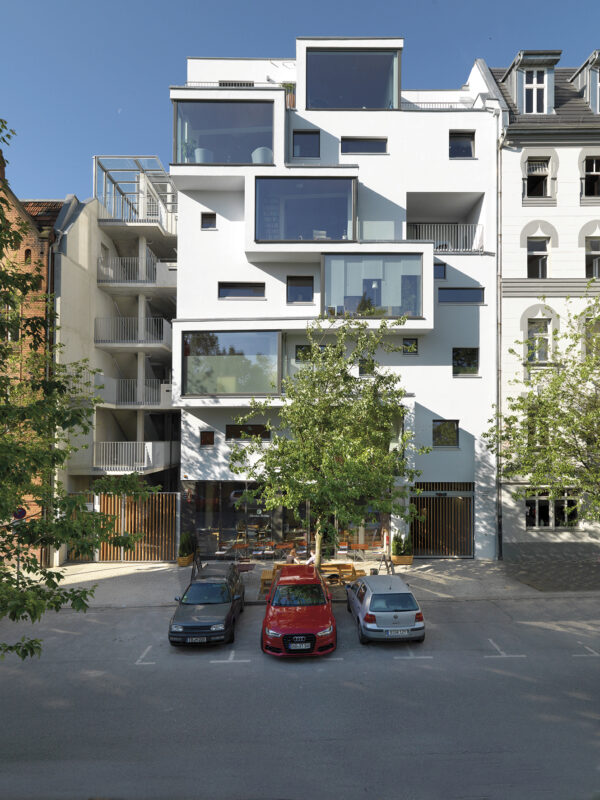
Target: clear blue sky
{"x": 79, "y": 78}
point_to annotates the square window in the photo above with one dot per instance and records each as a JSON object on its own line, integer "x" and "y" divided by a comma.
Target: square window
{"x": 410, "y": 346}
{"x": 445, "y": 432}
{"x": 462, "y": 144}
{"x": 208, "y": 221}
{"x": 306, "y": 144}
{"x": 465, "y": 360}
{"x": 439, "y": 271}
{"x": 207, "y": 438}
{"x": 300, "y": 289}
{"x": 365, "y": 367}
{"x": 537, "y": 258}
{"x": 538, "y": 170}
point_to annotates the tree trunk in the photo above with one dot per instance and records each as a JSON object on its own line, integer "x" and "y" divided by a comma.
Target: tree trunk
{"x": 318, "y": 543}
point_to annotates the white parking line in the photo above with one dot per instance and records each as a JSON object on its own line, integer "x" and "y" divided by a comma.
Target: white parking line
{"x": 501, "y": 653}
{"x": 231, "y": 660}
{"x": 141, "y": 661}
{"x": 411, "y": 656}
{"x": 590, "y": 654}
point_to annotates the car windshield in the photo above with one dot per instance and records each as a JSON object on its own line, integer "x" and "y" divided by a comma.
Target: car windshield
{"x": 307, "y": 594}
{"x": 206, "y": 593}
{"x": 393, "y": 602}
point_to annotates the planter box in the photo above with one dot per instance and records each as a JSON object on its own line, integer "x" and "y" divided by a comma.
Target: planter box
{"x": 185, "y": 561}
{"x": 402, "y": 560}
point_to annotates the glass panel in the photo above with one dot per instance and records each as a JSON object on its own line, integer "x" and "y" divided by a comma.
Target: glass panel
{"x": 540, "y": 101}
{"x": 530, "y": 512}
{"x": 363, "y": 145}
{"x": 384, "y": 284}
{"x": 445, "y": 433}
{"x": 224, "y": 132}
{"x": 410, "y": 346}
{"x": 461, "y": 145}
{"x": 439, "y": 271}
{"x": 241, "y": 290}
{"x": 352, "y": 79}
{"x": 529, "y": 76}
{"x": 306, "y": 144}
{"x": 543, "y": 513}
{"x": 307, "y": 209}
{"x": 528, "y": 101}
{"x": 460, "y": 295}
{"x": 300, "y": 289}
{"x": 465, "y": 360}
{"x": 244, "y": 362}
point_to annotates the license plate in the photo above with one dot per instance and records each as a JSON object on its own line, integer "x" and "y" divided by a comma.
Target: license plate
{"x": 399, "y": 632}
{"x": 196, "y": 640}
{"x": 299, "y": 646}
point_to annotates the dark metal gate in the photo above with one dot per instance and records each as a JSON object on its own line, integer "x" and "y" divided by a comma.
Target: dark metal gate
{"x": 445, "y": 527}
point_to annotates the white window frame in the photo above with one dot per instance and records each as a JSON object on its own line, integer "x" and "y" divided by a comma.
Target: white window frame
{"x": 534, "y": 86}
{"x": 540, "y": 254}
{"x": 534, "y": 501}
{"x": 592, "y": 255}
{"x": 535, "y": 338}
{"x": 542, "y": 168}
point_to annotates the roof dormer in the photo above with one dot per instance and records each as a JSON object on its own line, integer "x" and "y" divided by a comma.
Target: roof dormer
{"x": 530, "y": 79}
{"x": 587, "y": 80}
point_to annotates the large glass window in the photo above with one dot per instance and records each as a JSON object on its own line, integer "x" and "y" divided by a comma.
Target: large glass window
{"x": 304, "y": 209}
{"x": 240, "y": 362}
{"x": 224, "y": 132}
{"x": 384, "y": 284}
{"x": 360, "y": 79}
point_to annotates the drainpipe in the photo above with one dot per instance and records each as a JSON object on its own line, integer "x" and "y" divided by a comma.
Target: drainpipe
{"x": 499, "y": 330}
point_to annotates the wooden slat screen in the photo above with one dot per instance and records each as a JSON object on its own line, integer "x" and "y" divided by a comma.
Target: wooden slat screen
{"x": 155, "y": 517}
{"x": 446, "y": 527}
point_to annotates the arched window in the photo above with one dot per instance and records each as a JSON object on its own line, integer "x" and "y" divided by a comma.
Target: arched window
{"x": 28, "y": 256}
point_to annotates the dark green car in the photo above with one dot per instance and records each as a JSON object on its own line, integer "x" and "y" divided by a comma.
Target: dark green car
{"x": 209, "y": 608}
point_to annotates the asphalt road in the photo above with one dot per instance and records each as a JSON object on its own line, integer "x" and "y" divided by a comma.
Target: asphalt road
{"x": 501, "y": 702}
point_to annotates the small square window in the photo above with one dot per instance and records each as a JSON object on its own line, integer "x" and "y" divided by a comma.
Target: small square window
{"x": 462, "y": 144}
{"x": 307, "y": 144}
{"x": 410, "y": 346}
{"x": 366, "y": 367}
{"x": 465, "y": 360}
{"x": 208, "y": 221}
{"x": 439, "y": 271}
{"x": 300, "y": 289}
{"x": 445, "y": 432}
{"x": 207, "y": 438}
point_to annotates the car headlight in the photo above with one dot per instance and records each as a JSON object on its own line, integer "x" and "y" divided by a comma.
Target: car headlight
{"x": 218, "y": 627}
{"x": 269, "y": 632}
{"x": 325, "y": 631}
{"x": 176, "y": 628}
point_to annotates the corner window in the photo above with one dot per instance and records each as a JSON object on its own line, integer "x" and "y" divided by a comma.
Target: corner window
{"x": 208, "y": 221}
{"x": 538, "y": 170}
{"x": 461, "y": 295}
{"x": 237, "y": 432}
{"x": 352, "y": 79}
{"x": 538, "y": 341}
{"x": 300, "y": 289}
{"x": 357, "y": 145}
{"x": 465, "y": 360}
{"x": 207, "y": 438}
{"x": 537, "y": 258}
{"x": 535, "y": 91}
{"x": 592, "y": 258}
{"x": 445, "y": 432}
{"x": 542, "y": 512}
{"x": 462, "y": 144}
{"x": 410, "y": 346}
{"x": 306, "y": 144}
{"x": 241, "y": 290}
{"x": 591, "y": 181}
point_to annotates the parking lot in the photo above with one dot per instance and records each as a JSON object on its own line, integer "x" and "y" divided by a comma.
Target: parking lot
{"x": 500, "y": 701}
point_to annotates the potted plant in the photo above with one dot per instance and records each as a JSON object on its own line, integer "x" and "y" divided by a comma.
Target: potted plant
{"x": 402, "y": 550}
{"x": 186, "y": 550}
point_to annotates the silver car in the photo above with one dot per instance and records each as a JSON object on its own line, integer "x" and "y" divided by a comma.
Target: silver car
{"x": 385, "y": 609}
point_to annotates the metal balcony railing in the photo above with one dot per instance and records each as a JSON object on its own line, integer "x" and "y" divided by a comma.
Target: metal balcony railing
{"x": 130, "y": 391}
{"x": 127, "y": 269}
{"x": 434, "y": 105}
{"x": 448, "y": 237}
{"x": 128, "y": 330}
{"x": 141, "y": 208}
{"x": 134, "y": 456}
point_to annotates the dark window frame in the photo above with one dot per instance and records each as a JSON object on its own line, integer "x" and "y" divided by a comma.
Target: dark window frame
{"x": 445, "y": 422}
{"x": 347, "y": 139}
{"x": 450, "y": 297}
{"x": 470, "y": 135}
{"x": 234, "y": 432}
{"x": 407, "y": 349}
{"x": 207, "y": 438}
{"x": 305, "y": 133}
{"x": 306, "y": 278}
{"x": 231, "y": 284}
{"x": 208, "y": 221}
{"x": 456, "y": 366}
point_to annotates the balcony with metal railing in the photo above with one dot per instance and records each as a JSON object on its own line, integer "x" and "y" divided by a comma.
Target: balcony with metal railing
{"x": 133, "y": 393}
{"x": 118, "y": 274}
{"x": 125, "y": 457}
{"x": 448, "y": 237}
{"x": 130, "y": 333}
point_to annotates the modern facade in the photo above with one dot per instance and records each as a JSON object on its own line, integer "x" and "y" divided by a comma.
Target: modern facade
{"x": 549, "y": 173}
{"x": 319, "y": 185}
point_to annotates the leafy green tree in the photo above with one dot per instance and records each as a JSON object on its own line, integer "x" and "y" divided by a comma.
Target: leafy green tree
{"x": 547, "y": 436}
{"x": 338, "y": 440}
{"x": 43, "y": 404}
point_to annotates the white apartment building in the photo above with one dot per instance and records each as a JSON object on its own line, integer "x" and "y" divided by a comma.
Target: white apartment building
{"x": 550, "y": 243}
{"x": 113, "y": 273}
{"x": 320, "y": 185}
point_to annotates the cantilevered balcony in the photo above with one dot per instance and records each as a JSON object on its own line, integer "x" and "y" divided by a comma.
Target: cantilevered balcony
{"x": 448, "y": 237}
{"x": 129, "y": 334}
{"x": 119, "y": 275}
{"x": 134, "y": 456}
{"x": 133, "y": 393}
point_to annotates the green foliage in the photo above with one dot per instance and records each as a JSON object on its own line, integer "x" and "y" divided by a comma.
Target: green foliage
{"x": 338, "y": 440}
{"x": 187, "y": 546}
{"x": 402, "y": 546}
{"x": 549, "y": 432}
{"x": 43, "y": 405}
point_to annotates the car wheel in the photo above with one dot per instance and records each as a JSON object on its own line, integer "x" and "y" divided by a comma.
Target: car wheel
{"x": 174, "y": 644}
{"x": 419, "y": 641}
{"x": 361, "y": 637}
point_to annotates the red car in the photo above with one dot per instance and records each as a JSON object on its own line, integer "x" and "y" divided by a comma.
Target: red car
{"x": 299, "y": 619}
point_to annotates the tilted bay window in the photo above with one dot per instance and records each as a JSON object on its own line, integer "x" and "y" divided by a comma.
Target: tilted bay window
{"x": 352, "y": 79}
{"x": 386, "y": 284}
{"x": 305, "y": 209}
{"x": 224, "y": 132}
{"x": 231, "y": 362}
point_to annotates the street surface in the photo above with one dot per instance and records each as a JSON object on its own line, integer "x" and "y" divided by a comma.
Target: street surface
{"x": 501, "y": 702}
